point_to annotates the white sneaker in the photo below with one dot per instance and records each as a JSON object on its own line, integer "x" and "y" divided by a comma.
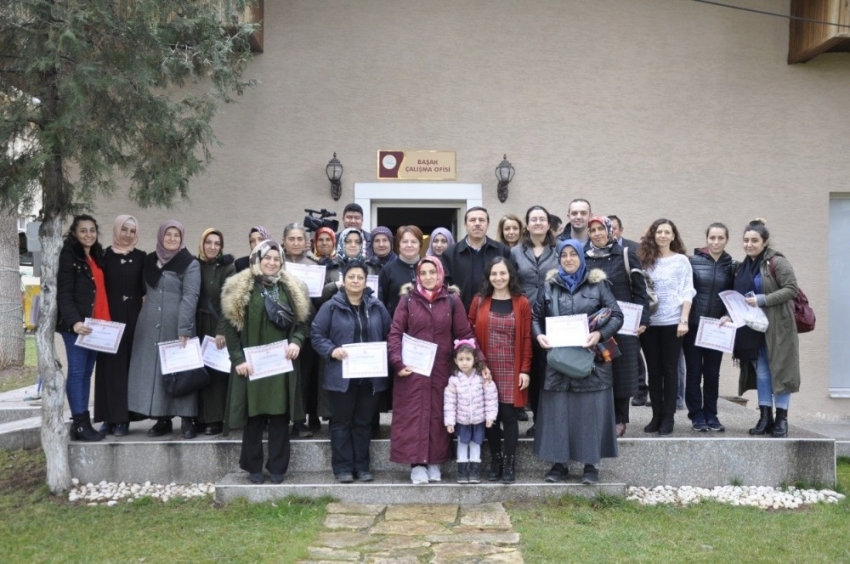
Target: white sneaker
{"x": 418, "y": 475}
{"x": 434, "y": 473}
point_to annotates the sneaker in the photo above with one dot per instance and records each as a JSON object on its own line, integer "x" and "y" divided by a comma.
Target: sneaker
{"x": 300, "y": 430}
{"x": 434, "y": 473}
{"x": 419, "y": 475}
{"x": 590, "y": 476}
{"x": 666, "y": 427}
{"x": 276, "y": 478}
{"x": 345, "y": 478}
{"x": 557, "y": 473}
{"x": 713, "y": 424}
{"x": 699, "y": 422}
{"x": 365, "y": 476}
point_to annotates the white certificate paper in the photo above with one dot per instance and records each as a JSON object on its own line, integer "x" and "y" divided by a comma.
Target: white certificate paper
{"x": 105, "y": 336}
{"x": 215, "y": 358}
{"x": 312, "y": 275}
{"x": 736, "y": 305}
{"x": 174, "y": 358}
{"x": 567, "y": 330}
{"x": 268, "y": 360}
{"x": 365, "y": 360}
{"x": 713, "y": 335}
{"x": 631, "y": 318}
{"x": 372, "y": 282}
{"x": 418, "y": 355}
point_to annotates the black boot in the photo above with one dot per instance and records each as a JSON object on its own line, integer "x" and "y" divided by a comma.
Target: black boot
{"x": 475, "y": 472}
{"x": 780, "y": 427}
{"x": 508, "y": 470}
{"x": 187, "y": 428}
{"x": 81, "y": 429}
{"x": 765, "y": 423}
{"x": 495, "y": 470}
{"x": 463, "y": 472}
{"x": 162, "y": 427}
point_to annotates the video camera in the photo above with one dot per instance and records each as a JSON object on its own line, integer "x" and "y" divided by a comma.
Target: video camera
{"x": 317, "y": 219}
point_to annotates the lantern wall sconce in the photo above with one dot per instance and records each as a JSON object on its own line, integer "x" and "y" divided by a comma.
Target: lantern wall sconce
{"x": 334, "y": 172}
{"x": 504, "y": 174}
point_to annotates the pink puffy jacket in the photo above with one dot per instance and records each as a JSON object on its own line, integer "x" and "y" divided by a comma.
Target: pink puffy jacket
{"x": 469, "y": 401}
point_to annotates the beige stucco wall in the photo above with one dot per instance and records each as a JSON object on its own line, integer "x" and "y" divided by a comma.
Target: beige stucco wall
{"x": 651, "y": 108}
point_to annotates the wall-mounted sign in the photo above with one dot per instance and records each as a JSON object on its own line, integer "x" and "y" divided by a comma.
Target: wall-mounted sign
{"x": 417, "y": 165}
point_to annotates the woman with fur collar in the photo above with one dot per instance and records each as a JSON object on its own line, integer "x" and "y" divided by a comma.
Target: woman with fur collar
{"x": 576, "y": 420}
{"x": 276, "y": 398}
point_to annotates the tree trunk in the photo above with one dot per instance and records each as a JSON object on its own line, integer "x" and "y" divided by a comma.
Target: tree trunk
{"x": 54, "y": 431}
{"x": 11, "y": 314}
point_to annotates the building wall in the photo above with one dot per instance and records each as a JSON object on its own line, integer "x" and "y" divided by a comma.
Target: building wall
{"x": 647, "y": 109}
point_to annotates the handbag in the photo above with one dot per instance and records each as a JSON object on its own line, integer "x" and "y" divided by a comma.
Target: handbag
{"x": 652, "y": 304}
{"x": 179, "y": 384}
{"x": 804, "y": 315}
{"x": 280, "y": 314}
{"x": 575, "y": 362}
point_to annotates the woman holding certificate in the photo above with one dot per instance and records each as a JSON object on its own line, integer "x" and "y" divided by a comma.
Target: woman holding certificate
{"x": 216, "y": 267}
{"x": 123, "y": 264}
{"x": 80, "y": 294}
{"x": 173, "y": 283}
{"x": 662, "y": 254}
{"x": 248, "y": 300}
{"x": 501, "y": 318}
{"x": 769, "y": 362}
{"x": 576, "y": 419}
{"x": 629, "y": 286}
{"x": 349, "y": 248}
{"x": 430, "y": 312}
{"x": 353, "y": 315}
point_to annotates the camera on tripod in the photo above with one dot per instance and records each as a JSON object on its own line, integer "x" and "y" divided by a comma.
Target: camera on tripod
{"x": 314, "y": 220}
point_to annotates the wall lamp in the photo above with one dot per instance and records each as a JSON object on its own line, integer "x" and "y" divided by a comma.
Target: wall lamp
{"x": 504, "y": 174}
{"x": 334, "y": 172}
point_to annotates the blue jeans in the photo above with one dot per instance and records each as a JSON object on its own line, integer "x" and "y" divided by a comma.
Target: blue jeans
{"x": 78, "y": 381}
{"x": 764, "y": 383}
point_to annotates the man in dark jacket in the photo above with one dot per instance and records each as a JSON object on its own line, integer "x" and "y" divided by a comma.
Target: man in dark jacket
{"x": 578, "y": 213}
{"x": 464, "y": 262}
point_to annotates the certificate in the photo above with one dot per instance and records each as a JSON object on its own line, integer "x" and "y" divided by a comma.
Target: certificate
{"x": 268, "y": 360}
{"x": 631, "y": 318}
{"x": 215, "y": 358}
{"x": 567, "y": 330}
{"x": 372, "y": 282}
{"x": 418, "y": 355}
{"x": 105, "y": 336}
{"x": 713, "y": 335}
{"x": 365, "y": 360}
{"x": 312, "y": 275}
{"x": 174, "y": 358}
{"x": 736, "y": 305}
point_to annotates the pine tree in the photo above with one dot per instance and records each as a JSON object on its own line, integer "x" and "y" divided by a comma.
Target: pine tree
{"x": 94, "y": 93}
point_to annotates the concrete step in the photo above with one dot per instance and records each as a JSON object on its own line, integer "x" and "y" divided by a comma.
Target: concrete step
{"x": 21, "y": 433}
{"x": 9, "y": 414}
{"x": 395, "y": 488}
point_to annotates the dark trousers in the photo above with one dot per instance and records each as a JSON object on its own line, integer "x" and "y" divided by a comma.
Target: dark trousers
{"x": 251, "y": 458}
{"x": 507, "y": 427}
{"x": 662, "y": 349}
{"x": 538, "y": 374}
{"x": 702, "y": 366}
{"x": 621, "y": 409}
{"x": 351, "y": 426}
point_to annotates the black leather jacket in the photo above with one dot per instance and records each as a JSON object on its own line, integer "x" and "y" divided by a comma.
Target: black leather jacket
{"x": 710, "y": 278}
{"x": 74, "y": 288}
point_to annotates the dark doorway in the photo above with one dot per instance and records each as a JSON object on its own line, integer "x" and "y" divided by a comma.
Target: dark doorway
{"x": 426, "y": 219}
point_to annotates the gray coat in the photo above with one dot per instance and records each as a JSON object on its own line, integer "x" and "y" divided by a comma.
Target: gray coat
{"x": 532, "y": 271}
{"x": 168, "y": 313}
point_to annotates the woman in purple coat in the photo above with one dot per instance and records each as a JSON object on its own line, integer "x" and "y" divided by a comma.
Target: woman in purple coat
{"x": 429, "y": 311}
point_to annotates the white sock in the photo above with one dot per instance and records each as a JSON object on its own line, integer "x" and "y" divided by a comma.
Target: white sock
{"x": 462, "y": 451}
{"x": 474, "y": 452}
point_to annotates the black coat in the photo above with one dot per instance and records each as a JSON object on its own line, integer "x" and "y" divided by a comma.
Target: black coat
{"x": 710, "y": 278}
{"x": 394, "y": 275}
{"x": 75, "y": 288}
{"x": 457, "y": 262}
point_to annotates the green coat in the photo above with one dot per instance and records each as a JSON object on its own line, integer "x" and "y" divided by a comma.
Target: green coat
{"x": 249, "y": 326}
{"x": 783, "y": 344}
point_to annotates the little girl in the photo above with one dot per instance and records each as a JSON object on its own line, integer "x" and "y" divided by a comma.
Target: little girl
{"x": 467, "y": 403}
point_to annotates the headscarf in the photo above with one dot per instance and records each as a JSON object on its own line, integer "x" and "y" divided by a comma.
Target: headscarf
{"x": 380, "y": 230}
{"x": 601, "y": 252}
{"x": 161, "y": 253}
{"x": 431, "y": 295}
{"x": 340, "y": 247}
{"x": 572, "y": 280}
{"x": 117, "y": 247}
{"x": 201, "y": 255}
{"x": 318, "y": 232}
{"x": 439, "y": 231}
{"x": 259, "y": 252}
{"x": 259, "y": 229}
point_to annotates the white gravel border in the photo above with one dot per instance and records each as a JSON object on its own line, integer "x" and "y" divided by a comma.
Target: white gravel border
{"x": 111, "y": 493}
{"x": 764, "y": 497}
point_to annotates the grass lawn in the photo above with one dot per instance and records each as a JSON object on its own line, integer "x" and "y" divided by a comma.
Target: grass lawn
{"x": 37, "y": 527}
{"x": 614, "y": 530}
{"x": 26, "y": 375}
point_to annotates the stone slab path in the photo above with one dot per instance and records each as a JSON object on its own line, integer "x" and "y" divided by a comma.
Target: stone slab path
{"x": 416, "y": 534}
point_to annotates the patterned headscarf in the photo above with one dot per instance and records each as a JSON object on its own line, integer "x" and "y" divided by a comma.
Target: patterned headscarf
{"x": 117, "y": 247}
{"x": 259, "y": 252}
{"x": 380, "y": 230}
{"x": 431, "y": 295}
{"x": 340, "y": 247}
{"x": 161, "y": 253}
{"x": 601, "y": 252}
{"x": 572, "y": 280}
{"x": 318, "y": 232}
{"x": 201, "y": 255}
{"x": 258, "y": 229}
{"x": 439, "y": 231}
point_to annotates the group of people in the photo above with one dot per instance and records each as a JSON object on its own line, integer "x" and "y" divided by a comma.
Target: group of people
{"x": 483, "y": 303}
